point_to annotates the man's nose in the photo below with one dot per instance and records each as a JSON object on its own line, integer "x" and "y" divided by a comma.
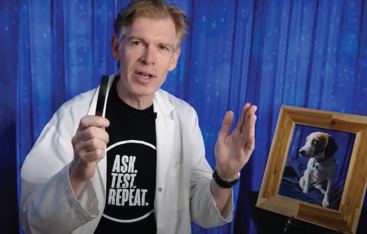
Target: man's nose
{"x": 148, "y": 56}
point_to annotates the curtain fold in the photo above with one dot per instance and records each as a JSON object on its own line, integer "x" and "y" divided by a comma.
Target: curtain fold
{"x": 302, "y": 53}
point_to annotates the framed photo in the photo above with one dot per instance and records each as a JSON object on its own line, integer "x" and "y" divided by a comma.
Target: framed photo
{"x": 317, "y": 168}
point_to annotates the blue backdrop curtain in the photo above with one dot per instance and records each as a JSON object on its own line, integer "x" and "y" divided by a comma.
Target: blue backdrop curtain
{"x": 302, "y": 53}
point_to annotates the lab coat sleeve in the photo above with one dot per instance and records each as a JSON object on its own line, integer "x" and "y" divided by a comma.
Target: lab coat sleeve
{"x": 48, "y": 204}
{"x": 203, "y": 209}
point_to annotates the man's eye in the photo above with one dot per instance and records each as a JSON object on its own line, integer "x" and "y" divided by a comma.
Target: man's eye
{"x": 135, "y": 42}
{"x": 163, "y": 47}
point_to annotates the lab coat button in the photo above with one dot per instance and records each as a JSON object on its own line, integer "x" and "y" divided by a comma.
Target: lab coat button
{"x": 159, "y": 190}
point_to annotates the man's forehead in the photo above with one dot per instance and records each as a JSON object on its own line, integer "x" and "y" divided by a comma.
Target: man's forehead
{"x": 141, "y": 28}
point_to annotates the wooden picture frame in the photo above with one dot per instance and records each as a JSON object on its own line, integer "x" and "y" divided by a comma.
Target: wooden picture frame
{"x": 346, "y": 217}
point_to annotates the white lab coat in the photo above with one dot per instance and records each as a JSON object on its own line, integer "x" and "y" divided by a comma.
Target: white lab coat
{"x": 48, "y": 205}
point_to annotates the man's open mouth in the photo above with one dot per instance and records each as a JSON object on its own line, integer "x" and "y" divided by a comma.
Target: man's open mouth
{"x": 146, "y": 75}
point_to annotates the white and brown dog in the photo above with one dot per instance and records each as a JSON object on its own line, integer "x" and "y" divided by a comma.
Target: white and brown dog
{"x": 320, "y": 148}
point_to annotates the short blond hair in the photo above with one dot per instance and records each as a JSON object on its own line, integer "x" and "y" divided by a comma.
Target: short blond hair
{"x": 156, "y": 9}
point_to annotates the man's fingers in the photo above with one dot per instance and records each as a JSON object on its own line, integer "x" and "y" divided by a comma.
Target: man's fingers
{"x": 241, "y": 121}
{"x": 95, "y": 155}
{"x": 92, "y": 120}
{"x": 247, "y": 111}
{"x": 249, "y": 118}
{"x": 91, "y": 150}
{"x": 249, "y": 131}
{"x": 250, "y": 146}
{"x": 252, "y": 110}
{"x": 89, "y": 133}
{"x": 94, "y": 132}
{"x": 226, "y": 125}
{"x": 92, "y": 144}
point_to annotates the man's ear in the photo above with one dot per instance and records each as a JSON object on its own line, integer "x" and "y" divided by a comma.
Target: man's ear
{"x": 174, "y": 59}
{"x": 115, "y": 47}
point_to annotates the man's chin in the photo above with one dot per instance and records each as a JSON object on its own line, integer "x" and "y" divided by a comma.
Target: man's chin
{"x": 144, "y": 92}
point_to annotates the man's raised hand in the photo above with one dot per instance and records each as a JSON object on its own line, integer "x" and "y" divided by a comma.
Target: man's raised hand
{"x": 232, "y": 151}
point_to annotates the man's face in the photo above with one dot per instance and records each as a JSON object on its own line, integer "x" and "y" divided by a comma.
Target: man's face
{"x": 146, "y": 54}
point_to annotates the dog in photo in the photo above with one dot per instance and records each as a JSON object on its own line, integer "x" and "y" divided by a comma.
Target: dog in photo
{"x": 320, "y": 148}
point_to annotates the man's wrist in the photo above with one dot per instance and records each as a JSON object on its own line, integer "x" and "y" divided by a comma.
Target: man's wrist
{"x": 226, "y": 177}
{"x": 225, "y": 183}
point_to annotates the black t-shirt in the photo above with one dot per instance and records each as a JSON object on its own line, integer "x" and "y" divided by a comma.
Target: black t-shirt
{"x": 131, "y": 169}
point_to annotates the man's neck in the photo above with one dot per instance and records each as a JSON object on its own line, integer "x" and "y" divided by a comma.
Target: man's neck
{"x": 137, "y": 102}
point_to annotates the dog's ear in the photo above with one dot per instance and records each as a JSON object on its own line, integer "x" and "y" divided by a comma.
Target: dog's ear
{"x": 330, "y": 148}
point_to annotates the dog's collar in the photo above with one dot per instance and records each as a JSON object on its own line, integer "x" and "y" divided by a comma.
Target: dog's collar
{"x": 320, "y": 159}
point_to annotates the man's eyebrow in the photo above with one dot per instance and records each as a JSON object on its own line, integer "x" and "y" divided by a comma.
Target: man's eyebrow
{"x": 135, "y": 38}
{"x": 167, "y": 44}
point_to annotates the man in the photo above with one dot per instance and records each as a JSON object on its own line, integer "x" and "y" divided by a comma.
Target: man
{"x": 141, "y": 168}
